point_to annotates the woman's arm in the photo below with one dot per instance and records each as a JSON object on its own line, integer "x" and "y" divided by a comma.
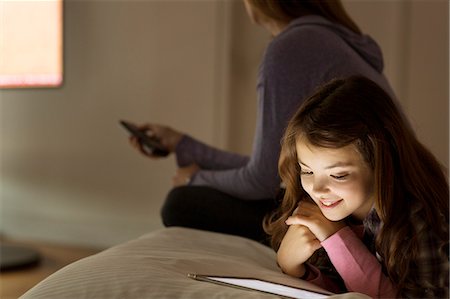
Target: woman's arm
{"x": 254, "y": 177}
{"x": 190, "y": 150}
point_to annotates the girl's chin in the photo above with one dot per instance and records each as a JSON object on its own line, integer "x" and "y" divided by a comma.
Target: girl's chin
{"x": 333, "y": 216}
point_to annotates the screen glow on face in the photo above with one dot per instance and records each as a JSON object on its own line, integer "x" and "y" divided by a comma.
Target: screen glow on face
{"x": 338, "y": 180}
{"x": 31, "y": 43}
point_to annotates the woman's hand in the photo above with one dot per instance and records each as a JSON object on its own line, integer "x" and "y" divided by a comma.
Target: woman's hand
{"x": 168, "y": 137}
{"x": 297, "y": 246}
{"x": 310, "y": 215}
{"x": 183, "y": 175}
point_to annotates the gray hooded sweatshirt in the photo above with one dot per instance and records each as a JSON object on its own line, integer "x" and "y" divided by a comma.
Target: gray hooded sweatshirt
{"x": 309, "y": 52}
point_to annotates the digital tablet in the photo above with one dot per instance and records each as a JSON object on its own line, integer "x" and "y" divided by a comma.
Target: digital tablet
{"x": 264, "y": 286}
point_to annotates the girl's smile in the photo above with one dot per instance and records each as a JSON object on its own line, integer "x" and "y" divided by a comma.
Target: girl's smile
{"x": 325, "y": 203}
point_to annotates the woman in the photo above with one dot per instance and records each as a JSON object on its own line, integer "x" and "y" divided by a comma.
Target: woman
{"x": 366, "y": 203}
{"x": 313, "y": 42}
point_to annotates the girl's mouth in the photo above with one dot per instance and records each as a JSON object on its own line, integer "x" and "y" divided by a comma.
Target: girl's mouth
{"x": 328, "y": 204}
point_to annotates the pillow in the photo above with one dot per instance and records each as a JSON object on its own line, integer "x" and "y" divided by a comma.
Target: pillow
{"x": 156, "y": 266}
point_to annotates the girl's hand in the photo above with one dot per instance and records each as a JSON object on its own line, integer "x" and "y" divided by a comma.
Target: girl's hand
{"x": 297, "y": 246}
{"x": 168, "y": 137}
{"x": 310, "y": 215}
{"x": 183, "y": 175}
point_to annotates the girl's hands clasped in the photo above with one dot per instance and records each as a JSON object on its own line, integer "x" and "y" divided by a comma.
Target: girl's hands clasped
{"x": 297, "y": 246}
{"x": 310, "y": 215}
{"x": 308, "y": 227}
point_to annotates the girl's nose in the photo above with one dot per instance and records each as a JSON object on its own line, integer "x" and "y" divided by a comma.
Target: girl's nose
{"x": 320, "y": 187}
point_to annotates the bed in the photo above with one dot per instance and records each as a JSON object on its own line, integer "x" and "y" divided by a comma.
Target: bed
{"x": 157, "y": 265}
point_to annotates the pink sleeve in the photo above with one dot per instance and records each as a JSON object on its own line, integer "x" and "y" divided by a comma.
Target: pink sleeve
{"x": 358, "y": 267}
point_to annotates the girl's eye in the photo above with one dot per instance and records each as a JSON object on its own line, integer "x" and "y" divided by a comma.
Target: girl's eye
{"x": 306, "y": 172}
{"x": 340, "y": 177}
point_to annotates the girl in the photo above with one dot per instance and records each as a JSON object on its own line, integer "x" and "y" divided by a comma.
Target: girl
{"x": 366, "y": 203}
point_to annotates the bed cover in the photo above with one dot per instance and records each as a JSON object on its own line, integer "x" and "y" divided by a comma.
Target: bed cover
{"x": 156, "y": 265}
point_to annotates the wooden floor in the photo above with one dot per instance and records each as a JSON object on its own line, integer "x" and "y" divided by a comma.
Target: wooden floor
{"x": 15, "y": 283}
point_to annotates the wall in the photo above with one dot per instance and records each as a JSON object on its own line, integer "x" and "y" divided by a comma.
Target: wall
{"x": 428, "y": 76}
{"x": 67, "y": 172}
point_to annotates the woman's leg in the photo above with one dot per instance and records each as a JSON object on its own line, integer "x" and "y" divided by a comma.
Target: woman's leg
{"x": 208, "y": 209}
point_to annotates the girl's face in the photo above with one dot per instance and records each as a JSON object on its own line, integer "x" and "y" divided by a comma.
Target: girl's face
{"x": 338, "y": 180}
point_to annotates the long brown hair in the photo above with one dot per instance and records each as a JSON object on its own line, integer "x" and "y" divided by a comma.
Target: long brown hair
{"x": 357, "y": 111}
{"x": 287, "y": 10}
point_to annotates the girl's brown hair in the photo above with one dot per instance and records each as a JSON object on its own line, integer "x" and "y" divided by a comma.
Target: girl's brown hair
{"x": 287, "y": 10}
{"x": 357, "y": 111}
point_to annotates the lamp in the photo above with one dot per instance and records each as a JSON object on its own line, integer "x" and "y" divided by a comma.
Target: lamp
{"x": 13, "y": 257}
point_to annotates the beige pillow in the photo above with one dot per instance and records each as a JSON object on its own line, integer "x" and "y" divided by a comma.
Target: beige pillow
{"x": 156, "y": 266}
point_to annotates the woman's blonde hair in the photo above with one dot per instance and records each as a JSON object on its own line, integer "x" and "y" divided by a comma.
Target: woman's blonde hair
{"x": 287, "y": 10}
{"x": 357, "y": 111}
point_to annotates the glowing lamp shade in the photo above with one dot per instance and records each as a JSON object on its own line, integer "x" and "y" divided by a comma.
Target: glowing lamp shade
{"x": 31, "y": 43}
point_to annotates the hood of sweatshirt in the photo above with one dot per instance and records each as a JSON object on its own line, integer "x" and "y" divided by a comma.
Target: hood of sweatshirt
{"x": 363, "y": 44}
